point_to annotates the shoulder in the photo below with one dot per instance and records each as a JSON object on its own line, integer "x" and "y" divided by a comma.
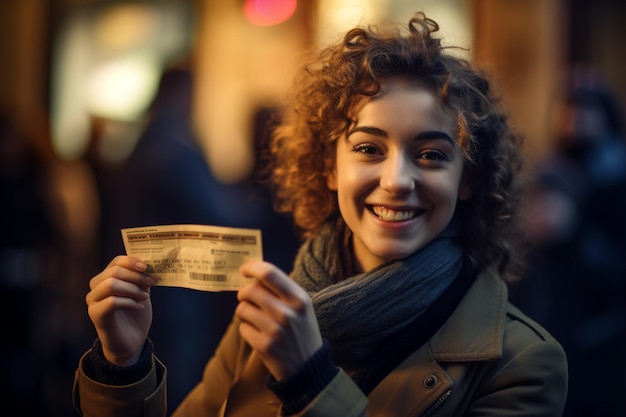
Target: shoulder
{"x": 523, "y": 335}
{"x": 518, "y": 322}
{"x": 486, "y": 326}
{"x": 531, "y": 364}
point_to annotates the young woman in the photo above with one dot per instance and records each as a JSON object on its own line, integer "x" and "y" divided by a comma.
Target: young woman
{"x": 401, "y": 171}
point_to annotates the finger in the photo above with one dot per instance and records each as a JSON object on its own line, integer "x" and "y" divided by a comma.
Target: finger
{"x": 259, "y": 341}
{"x": 101, "y": 313}
{"x": 256, "y": 293}
{"x": 129, "y": 262}
{"x": 125, "y": 271}
{"x": 255, "y": 317}
{"x": 256, "y": 298}
{"x": 111, "y": 304}
{"x": 272, "y": 278}
{"x": 113, "y": 287}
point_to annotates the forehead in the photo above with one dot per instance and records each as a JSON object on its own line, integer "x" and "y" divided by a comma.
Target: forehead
{"x": 401, "y": 103}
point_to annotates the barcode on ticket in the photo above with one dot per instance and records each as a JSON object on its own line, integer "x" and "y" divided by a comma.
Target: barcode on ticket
{"x": 198, "y": 276}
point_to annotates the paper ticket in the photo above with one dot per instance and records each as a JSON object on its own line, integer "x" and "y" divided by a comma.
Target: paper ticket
{"x": 199, "y": 257}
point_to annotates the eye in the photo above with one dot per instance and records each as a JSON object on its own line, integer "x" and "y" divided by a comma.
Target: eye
{"x": 433, "y": 155}
{"x": 367, "y": 149}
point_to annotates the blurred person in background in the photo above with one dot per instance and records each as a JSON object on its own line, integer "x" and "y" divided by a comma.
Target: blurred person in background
{"x": 576, "y": 283}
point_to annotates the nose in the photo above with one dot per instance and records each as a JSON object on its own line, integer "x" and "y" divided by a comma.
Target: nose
{"x": 398, "y": 175}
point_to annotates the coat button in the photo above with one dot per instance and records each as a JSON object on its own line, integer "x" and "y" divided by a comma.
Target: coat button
{"x": 430, "y": 381}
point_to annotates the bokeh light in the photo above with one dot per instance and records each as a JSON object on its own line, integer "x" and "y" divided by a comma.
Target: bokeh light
{"x": 269, "y": 12}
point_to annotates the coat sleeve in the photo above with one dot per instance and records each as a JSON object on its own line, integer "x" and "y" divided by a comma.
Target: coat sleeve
{"x": 146, "y": 397}
{"x": 332, "y": 400}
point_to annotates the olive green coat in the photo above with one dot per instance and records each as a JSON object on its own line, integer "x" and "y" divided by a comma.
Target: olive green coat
{"x": 488, "y": 359}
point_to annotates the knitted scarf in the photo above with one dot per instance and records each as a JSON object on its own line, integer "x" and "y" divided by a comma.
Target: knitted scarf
{"x": 358, "y": 313}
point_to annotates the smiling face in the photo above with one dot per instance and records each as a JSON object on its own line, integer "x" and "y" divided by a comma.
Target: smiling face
{"x": 398, "y": 173}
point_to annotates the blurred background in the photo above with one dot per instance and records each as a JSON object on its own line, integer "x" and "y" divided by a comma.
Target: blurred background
{"x": 130, "y": 113}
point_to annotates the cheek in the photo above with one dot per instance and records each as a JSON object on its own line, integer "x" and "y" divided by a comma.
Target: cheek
{"x": 445, "y": 191}
{"x": 347, "y": 178}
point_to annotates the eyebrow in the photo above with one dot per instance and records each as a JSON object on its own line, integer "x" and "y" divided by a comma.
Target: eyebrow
{"x": 426, "y": 135}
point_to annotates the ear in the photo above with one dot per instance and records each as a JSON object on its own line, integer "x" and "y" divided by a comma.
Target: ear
{"x": 331, "y": 178}
{"x": 466, "y": 189}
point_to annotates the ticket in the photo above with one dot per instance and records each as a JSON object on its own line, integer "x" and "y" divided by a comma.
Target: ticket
{"x": 199, "y": 257}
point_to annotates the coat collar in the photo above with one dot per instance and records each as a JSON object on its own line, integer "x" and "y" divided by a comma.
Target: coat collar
{"x": 460, "y": 338}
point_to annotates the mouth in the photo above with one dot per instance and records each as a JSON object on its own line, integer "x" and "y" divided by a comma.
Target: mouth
{"x": 391, "y": 215}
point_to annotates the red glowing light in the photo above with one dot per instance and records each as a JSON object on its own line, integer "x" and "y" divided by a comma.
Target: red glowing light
{"x": 269, "y": 12}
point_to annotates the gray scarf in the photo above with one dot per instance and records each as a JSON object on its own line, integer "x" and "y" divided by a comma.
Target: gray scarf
{"x": 357, "y": 313}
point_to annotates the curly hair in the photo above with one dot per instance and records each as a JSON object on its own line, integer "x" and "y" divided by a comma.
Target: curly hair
{"x": 303, "y": 144}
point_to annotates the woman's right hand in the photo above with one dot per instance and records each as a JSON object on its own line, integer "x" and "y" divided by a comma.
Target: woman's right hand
{"x": 120, "y": 308}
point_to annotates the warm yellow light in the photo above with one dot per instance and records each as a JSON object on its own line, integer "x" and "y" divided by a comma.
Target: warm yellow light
{"x": 122, "y": 89}
{"x": 126, "y": 26}
{"x": 337, "y": 16}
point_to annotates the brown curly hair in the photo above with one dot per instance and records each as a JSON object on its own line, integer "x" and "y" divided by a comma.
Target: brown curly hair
{"x": 303, "y": 144}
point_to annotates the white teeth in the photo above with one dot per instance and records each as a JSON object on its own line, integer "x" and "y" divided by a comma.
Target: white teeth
{"x": 393, "y": 215}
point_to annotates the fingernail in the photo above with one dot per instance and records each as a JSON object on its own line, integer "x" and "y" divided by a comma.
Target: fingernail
{"x": 141, "y": 266}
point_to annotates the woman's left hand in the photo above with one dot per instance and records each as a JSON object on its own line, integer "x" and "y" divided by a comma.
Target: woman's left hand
{"x": 277, "y": 318}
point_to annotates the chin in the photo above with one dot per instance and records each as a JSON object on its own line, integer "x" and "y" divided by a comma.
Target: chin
{"x": 398, "y": 253}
